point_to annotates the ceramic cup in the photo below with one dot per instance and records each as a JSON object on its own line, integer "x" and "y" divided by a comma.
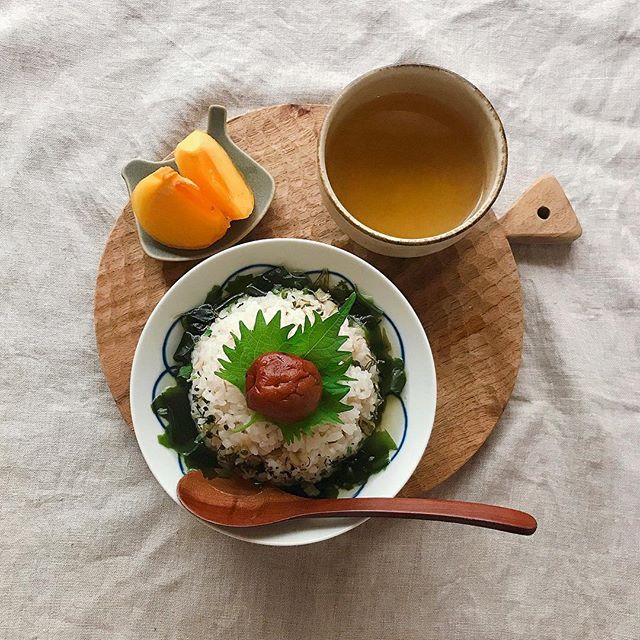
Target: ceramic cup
{"x": 449, "y": 88}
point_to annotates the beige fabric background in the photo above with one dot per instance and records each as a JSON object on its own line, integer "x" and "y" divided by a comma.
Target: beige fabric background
{"x": 92, "y": 548}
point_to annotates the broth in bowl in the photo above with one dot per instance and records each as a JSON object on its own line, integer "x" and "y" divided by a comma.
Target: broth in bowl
{"x": 406, "y": 165}
{"x": 410, "y": 158}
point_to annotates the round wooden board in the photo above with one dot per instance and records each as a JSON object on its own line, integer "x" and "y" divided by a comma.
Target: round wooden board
{"x": 468, "y": 296}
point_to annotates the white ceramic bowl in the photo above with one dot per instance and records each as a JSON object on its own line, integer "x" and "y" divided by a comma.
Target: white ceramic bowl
{"x": 408, "y": 419}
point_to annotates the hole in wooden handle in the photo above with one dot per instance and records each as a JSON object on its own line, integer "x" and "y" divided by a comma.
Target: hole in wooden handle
{"x": 521, "y": 224}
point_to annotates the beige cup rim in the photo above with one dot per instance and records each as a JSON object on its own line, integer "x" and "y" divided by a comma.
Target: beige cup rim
{"x": 461, "y": 228}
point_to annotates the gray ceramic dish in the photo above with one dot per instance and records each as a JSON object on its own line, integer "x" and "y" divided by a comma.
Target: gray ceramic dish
{"x": 260, "y": 181}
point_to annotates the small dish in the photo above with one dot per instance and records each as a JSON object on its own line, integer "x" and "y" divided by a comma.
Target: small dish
{"x": 257, "y": 177}
{"x": 408, "y": 418}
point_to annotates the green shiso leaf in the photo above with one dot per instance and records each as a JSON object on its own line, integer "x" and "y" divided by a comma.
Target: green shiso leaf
{"x": 328, "y": 412}
{"x": 265, "y": 337}
{"x": 318, "y": 341}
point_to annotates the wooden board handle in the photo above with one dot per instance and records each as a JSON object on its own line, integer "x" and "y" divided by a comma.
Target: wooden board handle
{"x": 542, "y": 215}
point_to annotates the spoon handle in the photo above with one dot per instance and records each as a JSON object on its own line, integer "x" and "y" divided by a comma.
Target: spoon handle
{"x": 473, "y": 513}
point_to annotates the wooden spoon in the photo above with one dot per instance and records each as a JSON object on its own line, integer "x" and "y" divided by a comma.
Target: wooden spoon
{"x": 232, "y": 502}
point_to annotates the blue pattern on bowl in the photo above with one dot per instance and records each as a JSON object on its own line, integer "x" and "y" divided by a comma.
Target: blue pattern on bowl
{"x": 167, "y": 366}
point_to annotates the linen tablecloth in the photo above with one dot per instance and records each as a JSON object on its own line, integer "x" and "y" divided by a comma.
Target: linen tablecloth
{"x": 91, "y": 547}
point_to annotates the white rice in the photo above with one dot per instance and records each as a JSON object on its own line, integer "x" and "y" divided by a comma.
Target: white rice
{"x": 260, "y": 452}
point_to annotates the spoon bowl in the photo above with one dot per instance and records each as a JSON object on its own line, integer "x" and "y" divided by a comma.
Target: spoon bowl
{"x": 232, "y": 502}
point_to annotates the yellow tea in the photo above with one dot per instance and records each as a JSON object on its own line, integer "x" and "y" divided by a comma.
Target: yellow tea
{"x": 406, "y": 165}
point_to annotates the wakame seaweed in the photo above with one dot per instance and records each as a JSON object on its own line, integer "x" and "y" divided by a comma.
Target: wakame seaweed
{"x": 181, "y": 433}
{"x": 372, "y": 457}
{"x": 195, "y": 321}
{"x": 369, "y": 316}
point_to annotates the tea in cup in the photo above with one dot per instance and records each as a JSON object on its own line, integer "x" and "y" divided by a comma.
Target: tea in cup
{"x": 410, "y": 158}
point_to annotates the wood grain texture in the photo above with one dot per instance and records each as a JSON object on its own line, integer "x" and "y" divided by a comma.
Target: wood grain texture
{"x": 542, "y": 215}
{"x": 468, "y": 296}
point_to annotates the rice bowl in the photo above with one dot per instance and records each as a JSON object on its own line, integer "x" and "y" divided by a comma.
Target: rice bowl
{"x": 408, "y": 418}
{"x": 247, "y": 403}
